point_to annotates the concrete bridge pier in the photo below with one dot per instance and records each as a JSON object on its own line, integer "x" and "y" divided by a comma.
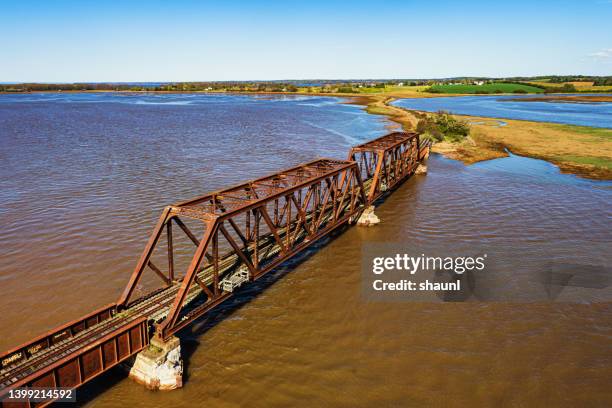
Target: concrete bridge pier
{"x": 368, "y": 218}
{"x": 159, "y": 366}
{"x": 421, "y": 169}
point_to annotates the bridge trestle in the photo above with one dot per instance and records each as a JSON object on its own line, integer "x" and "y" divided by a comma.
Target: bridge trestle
{"x": 387, "y": 161}
{"x": 258, "y": 225}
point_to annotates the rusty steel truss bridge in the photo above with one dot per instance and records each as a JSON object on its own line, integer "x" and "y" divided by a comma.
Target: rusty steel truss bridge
{"x": 242, "y": 233}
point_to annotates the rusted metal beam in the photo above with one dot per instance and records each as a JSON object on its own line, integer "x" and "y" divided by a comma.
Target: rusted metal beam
{"x": 170, "y": 251}
{"x": 187, "y": 231}
{"x": 272, "y": 227}
{"x": 144, "y": 258}
{"x": 188, "y": 280}
{"x": 238, "y": 250}
{"x": 159, "y": 273}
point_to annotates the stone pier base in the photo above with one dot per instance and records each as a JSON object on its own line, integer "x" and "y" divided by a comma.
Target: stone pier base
{"x": 368, "y": 218}
{"x": 159, "y": 366}
{"x": 421, "y": 169}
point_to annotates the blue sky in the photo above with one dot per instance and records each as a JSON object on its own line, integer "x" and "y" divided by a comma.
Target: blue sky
{"x": 78, "y": 41}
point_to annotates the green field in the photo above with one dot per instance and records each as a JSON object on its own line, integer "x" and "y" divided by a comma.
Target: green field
{"x": 602, "y": 162}
{"x": 485, "y": 88}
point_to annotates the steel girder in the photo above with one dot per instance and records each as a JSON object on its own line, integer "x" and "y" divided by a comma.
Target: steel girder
{"x": 387, "y": 161}
{"x": 260, "y": 223}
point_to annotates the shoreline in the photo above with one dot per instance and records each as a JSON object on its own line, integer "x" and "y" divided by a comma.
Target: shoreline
{"x": 581, "y": 150}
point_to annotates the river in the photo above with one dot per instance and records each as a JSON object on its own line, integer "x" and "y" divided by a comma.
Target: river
{"x": 84, "y": 177}
{"x": 597, "y": 114}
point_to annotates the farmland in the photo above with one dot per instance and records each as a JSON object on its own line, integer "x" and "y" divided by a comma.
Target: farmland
{"x": 581, "y": 86}
{"x": 495, "y": 87}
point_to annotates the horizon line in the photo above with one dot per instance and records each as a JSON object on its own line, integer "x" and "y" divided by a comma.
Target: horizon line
{"x": 304, "y": 79}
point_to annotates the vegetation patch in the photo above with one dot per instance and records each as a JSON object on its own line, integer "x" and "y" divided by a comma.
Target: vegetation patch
{"x": 599, "y": 134}
{"x": 487, "y": 88}
{"x": 600, "y": 162}
{"x": 442, "y": 126}
{"x": 347, "y": 89}
{"x": 378, "y": 110}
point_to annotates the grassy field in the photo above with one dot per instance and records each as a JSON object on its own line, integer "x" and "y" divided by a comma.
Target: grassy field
{"x": 582, "y": 86}
{"x": 411, "y": 91}
{"x": 485, "y": 88}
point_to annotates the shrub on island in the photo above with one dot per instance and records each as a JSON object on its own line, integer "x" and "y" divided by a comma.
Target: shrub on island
{"x": 443, "y": 126}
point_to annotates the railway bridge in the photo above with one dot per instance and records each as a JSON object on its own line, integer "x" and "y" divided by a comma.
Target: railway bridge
{"x": 236, "y": 236}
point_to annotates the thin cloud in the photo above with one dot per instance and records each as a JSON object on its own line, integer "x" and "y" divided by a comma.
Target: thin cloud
{"x": 605, "y": 53}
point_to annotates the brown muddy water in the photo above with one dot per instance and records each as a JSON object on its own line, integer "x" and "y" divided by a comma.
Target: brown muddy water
{"x": 85, "y": 176}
